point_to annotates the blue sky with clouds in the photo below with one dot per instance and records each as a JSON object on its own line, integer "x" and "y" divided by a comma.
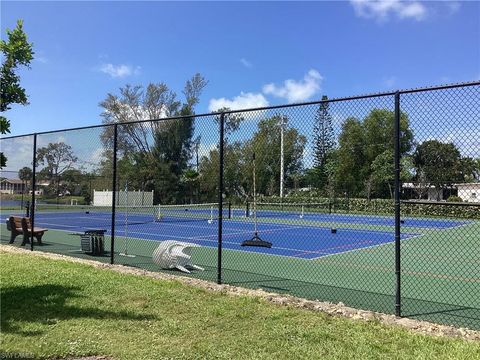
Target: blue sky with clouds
{"x": 253, "y": 54}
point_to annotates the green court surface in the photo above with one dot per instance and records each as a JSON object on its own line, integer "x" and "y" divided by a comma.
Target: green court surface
{"x": 440, "y": 272}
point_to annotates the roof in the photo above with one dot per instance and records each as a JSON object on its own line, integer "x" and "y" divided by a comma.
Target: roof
{"x": 469, "y": 185}
{"x": 13, "y": 181}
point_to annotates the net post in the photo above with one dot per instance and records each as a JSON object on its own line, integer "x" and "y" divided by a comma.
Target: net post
{"x": 247, "y": 209}
{"x": 220, "y": 199}
{"x": 114, "y": 188}
{"x": 398, "y": 299}
{"x": 34, "y": 170}
{"x": 229, "y": 209}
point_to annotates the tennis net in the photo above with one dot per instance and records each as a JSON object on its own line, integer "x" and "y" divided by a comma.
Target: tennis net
{"x": 96, "y": 215}
{"x": 193, "y": 212}
{"x": 282, "y": 210}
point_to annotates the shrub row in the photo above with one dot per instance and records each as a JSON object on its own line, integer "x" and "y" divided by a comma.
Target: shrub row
{"x": 385, "y": 207}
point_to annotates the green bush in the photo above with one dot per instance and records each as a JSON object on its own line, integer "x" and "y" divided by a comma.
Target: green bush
{"x": 453, "y": 198}
{"x": 385, "y": 206}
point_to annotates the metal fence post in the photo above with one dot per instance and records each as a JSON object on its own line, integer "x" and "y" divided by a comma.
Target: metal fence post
{"x": 34, "y": 169}
{"x": 220, "y": 200}
{"x": 397, "y": 135}
{"x": 114, "y": 191}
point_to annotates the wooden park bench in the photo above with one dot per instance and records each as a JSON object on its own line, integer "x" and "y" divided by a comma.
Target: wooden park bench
{"x": 22, "y": 226}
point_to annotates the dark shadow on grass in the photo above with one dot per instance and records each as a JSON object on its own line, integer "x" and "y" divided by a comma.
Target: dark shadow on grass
{"x": 48, "y": 304}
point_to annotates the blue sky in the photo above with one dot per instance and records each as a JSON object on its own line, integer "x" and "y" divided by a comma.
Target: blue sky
{"x": 251, "y": 53}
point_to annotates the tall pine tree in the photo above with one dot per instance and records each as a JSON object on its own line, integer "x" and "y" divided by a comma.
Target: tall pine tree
{"x": 323, "y": 140}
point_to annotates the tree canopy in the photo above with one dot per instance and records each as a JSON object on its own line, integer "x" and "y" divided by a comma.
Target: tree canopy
{"x": 238, "y": 167}
{"x": 57, "y": 159}
{"x": 323, "y": 142}
{"x": 365, "y": 153}
{"x": 161, "y": 149}
{"x": 16, "y": 52}
{"x": 440, "y": 163}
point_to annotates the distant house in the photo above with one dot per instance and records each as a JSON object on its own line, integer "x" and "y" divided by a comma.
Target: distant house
{"x": 12, "y": 186}
{"x": 469, "y": 192}
{"x": 428, "y": 192}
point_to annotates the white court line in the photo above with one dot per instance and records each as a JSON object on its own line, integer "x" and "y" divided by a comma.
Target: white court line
{"x": 326, "y": 254}
{"x": 367, "y": 247}
{"x": 250, "y": 232}
{"x": 227, "y": 242}
{"x": 215, "y": 241}
{"x": 56, "y": 225}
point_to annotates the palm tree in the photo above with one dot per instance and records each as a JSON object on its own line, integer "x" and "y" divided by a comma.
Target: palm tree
{"x": 190, "y": 178}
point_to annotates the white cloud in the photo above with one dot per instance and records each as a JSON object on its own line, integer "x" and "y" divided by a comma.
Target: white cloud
{"x": 296, "y": 91}
{"x": 453, "y": 6}
{"x": 389, "y": 82}
{"x": 19, "y": 153}
{"x": 381, "y": 10}
{"x": 246, "y": 63}
{"x": 41, "y": 59}
{"x": 119, "y": 71}
{"x": 242, "y": 101}
{"x": 89, "y": 159}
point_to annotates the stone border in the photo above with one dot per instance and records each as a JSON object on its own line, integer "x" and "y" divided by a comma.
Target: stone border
{"x": 418, "y": 326}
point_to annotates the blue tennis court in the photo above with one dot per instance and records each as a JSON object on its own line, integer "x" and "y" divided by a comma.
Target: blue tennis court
{"x": 378, "y": 220}
{"x": 291, "y": 234}
{"x": 288, "y": 240}
{"x": 294, "y": 240}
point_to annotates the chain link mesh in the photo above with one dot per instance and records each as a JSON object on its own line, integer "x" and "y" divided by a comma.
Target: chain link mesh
{"x": 316, "y": 181}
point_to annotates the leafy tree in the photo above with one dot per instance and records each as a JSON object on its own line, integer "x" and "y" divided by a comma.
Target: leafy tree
{"x": 17, "y": 51}
{"x": 161, "y": 148}
{"x": 238, "y": 166}
{"x": 420, "y": 183}
{"x": 234, "y": 172}
{"x": 232, "y": 121}
{"x": 439, "y": 162}
{"x": 265, "y": 143}
{"x": 72, "y": 180}
{"x": 170, "y": 156}
{"x": 233, "y": 153}
{"x": 136, "y": 103}
{"x": 190, "y": 178}
{"x": 350, "y": 171}
{"x": 310, "y": 176}
{"x": 383, "y": 171}
{"x": 25, "y": 174}
{"x": 57, "y": 158}
{"x": 379, "y": 128}
{"x": 331, "y": 172}
{"x": 363, "y": 144}
{"x": 86, "y": 193}
{"x": 323, "y": 140}
{"x": 470, "y": 169}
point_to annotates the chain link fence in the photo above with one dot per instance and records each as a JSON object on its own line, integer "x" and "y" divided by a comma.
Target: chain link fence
{"x": 372, "y": 201}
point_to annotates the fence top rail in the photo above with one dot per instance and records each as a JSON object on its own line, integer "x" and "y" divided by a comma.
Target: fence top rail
{"x": 317, "y": 102}
{"x": 439, "y": 203}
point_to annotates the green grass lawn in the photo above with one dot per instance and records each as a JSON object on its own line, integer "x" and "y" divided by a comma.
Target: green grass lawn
{"x": 56, "y": 309}
{"x": 440, "y": 272}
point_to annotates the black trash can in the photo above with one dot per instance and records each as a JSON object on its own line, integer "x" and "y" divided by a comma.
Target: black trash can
{"x": 93, "y": 242}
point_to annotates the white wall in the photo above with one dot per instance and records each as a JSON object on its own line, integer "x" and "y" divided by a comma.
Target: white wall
{"x": 139, "y": 198}
{"x": 469, "y": 192}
